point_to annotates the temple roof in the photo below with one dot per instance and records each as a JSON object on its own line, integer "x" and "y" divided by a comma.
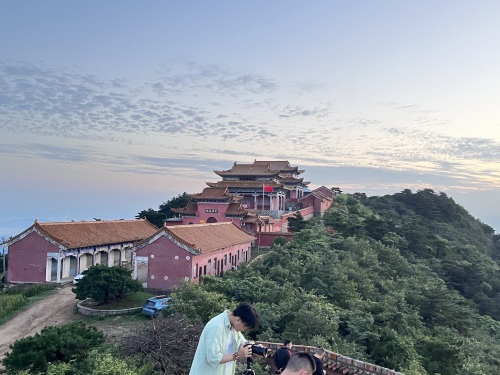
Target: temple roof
{"x": 322, "y": 193}
{"x": 260, "y": 168}
{"x": 204, "y": 238}
{"x": 275, "y": 165}
{"x": 235, "y": 209}
{"x": 293, "y": 180}
{"x": 324, "y": 190}
{"x": 244, "y": 184}
{"x": 215, "y": 193}
{"x": 190, "y": 209}
{"x": 248, "y": 170}
{"x": 80, "y": 234}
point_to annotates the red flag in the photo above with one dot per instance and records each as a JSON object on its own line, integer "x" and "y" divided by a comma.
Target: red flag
{"x": 268, "y": 189}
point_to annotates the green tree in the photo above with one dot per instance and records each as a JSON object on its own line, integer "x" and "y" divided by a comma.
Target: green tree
{"x": 279, "y": 241}
{"x": 102, "y": 284}
{"x": 53, "y": 344}
{"x": 164, "y": 210}
{"x": 207, "y": 305}
{"x": 296, "y": 223}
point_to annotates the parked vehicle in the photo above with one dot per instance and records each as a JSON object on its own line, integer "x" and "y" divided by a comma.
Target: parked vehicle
{"x": 154, "y": 305}
{"x": 79, "y": 277}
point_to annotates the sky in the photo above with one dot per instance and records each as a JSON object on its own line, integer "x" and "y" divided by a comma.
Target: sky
{"x": 108, "y": 108}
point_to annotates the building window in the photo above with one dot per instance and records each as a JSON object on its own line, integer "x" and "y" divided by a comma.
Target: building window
{"x": 225, "y": 259}
{"x": 209, "y": 266}
{"x": 196, "y": 271}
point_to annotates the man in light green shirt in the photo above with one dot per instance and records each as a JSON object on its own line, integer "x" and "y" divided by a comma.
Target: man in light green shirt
{"x": 221, "y": 342}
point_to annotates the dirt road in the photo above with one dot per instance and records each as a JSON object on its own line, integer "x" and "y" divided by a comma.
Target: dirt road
{"x": 57, "y": 309}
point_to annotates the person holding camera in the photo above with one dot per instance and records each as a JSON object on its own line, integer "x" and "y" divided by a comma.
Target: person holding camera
{"x": 221, "y": 343}
{"x": 302, "y": 363}
{"x": 282, "y": 356}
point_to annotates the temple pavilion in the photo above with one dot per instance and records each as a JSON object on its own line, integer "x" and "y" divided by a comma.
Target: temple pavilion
{"x": 252, "y": 195}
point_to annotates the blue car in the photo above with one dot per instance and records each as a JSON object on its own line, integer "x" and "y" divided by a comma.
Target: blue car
{"x": 154, "y": 305}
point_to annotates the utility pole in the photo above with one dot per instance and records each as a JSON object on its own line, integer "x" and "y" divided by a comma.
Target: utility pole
{"x": 3, "y": 255}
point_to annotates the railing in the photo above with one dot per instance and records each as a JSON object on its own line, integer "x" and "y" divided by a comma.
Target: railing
{"x": 337, "y": 363}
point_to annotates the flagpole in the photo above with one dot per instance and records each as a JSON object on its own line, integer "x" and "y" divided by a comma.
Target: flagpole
{"x": 263, "y": 196}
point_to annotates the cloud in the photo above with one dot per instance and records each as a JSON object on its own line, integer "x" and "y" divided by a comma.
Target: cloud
{"x": 43, "y": 151}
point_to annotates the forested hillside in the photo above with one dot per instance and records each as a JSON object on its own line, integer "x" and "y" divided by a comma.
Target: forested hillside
{"x": 409, "y": 281}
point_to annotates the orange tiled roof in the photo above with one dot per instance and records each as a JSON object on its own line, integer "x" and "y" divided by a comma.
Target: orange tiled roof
{"x": 235, "y": 209}
{"x": 190, "y": 209}
{"x": 249, "y": 169}
{"x": 322, "y": 193}
{"x": 324, "y": 190}
{"x": 209, "y": 237}
{"x": 94, "y": 233}
{"x": 220, "y": 193}
{"x": 244, "y": 184}
{"x": 275, "y": 165}
{"x": 293, "y": 180}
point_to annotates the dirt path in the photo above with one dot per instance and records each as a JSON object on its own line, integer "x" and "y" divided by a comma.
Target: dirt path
{"x": 57, "y": 309}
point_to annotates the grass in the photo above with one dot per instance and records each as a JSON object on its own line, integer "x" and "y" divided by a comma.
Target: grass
{"x": 130, "y": 300}
{"x": 33, "y": 293}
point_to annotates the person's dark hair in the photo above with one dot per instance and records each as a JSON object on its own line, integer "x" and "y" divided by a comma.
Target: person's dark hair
{"x": 301, "y": 361}
{"x": 286, "y": 342}
{"x": 248, "y": 315}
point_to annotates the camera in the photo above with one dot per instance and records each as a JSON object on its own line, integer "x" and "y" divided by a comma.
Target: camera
{"x": 257, "y": 349}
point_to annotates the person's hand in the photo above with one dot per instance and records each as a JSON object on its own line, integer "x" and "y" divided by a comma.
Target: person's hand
{"x": 245, "y": 351}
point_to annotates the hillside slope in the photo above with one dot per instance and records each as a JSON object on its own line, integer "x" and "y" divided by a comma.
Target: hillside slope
{"x": 408, "y": 281}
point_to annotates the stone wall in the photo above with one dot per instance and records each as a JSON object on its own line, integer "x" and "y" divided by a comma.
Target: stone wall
{"x": 335, "y": 363}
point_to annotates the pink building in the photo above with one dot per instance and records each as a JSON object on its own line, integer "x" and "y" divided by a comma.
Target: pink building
{"x": 320, "y": 199}
{"x": 52, "y": 252}
{"x": 186, "y": 252}
{"x": 258, "y": 197}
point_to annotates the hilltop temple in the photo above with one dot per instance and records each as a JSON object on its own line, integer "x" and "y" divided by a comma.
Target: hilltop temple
{"x": 258, "y": 197}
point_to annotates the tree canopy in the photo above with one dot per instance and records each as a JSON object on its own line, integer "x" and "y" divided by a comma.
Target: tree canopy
{"x": 164, "y": 212}
{"x": 408, "y": 281}
{"x": 102, "y": 283}
{"x": 52, "y": 345}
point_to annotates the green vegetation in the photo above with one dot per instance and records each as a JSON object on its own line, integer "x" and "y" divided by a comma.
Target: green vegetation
{"x": 128, "y": 301}
{"x": 164, "y": 212}
{"x": 409, "y": 281}
{"x": 103, "y": 284}
{"x": 296, "y": 222}
{"x": 16, "y": 298}
{"x": 67, "y": 343}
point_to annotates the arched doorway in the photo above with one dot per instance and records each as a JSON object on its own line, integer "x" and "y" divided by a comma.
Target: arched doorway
{"x": 101, "y": 258}
{"x": 86, "y": 261}
{"x": 53, "y": 269}
{"x": 72, "y": 266}
{"x": 116, "y": 257}
{"x": 211, "y": 219}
